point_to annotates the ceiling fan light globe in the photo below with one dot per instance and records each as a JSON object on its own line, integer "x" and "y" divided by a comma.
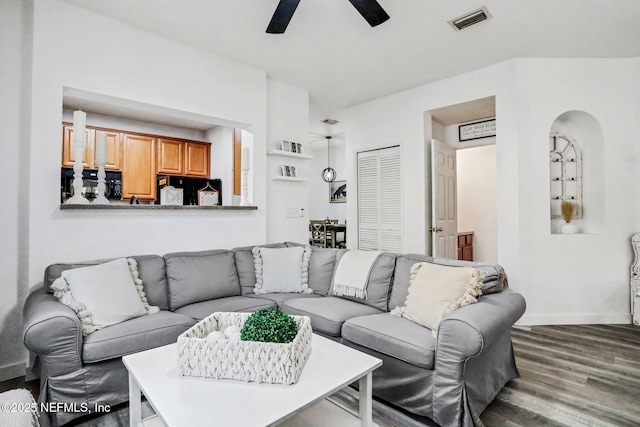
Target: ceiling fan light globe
{"x": 329, "y": 175}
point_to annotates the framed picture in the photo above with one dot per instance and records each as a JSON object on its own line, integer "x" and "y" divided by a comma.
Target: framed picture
{"x": 285, "y": 145}
{"x": 338, "y": 192}
{"x": 477, "y": 130}
{"x": 298, "y": 147}
{"x": 292, "y": 169}
{"x": 294, "y": 147}
{"x": 286, "y": 170}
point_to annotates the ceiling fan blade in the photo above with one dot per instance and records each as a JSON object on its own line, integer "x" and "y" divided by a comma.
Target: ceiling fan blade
{"x": 282, "y": 16}
{"x": 371, "y": 11}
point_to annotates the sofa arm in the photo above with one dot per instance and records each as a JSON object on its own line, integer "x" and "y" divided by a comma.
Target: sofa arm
{"x": 465, "y": 333}
{"x": 53, "y": 332}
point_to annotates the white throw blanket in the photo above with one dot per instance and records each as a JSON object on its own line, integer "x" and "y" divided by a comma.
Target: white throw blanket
{"x": 352, "y": 274}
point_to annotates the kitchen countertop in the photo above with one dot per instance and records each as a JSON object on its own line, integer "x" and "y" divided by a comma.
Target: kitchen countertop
{"x": 151, "y": 207}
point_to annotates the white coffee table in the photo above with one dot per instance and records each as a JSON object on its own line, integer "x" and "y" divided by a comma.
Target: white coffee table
{"x": 192, "y": 401}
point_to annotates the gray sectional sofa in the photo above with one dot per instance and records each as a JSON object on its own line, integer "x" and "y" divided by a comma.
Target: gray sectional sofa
{"x": 449, "y": 377}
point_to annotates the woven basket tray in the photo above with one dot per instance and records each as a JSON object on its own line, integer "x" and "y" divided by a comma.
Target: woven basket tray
{"x": 260, "y": 362}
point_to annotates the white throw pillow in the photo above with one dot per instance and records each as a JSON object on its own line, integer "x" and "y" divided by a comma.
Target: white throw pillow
{"x": 436, "y": 290}
{"x": 280, "y": 270}
{"x": 103, "y": 294}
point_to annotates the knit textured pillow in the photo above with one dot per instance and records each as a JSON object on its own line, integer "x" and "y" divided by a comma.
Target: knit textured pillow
{"x": 103, "y": 294}
{"x": 437, "y": 290}
{"x": 281, "y": 270}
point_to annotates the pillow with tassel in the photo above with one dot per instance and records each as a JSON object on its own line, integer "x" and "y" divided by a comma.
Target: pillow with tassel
{"x": 437, "y": 290}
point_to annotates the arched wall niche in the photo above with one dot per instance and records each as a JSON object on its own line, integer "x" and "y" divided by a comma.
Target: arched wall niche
{"x": 583, "y": 179}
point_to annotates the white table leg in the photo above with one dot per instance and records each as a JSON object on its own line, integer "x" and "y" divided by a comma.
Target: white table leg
{"x": 135, "y": 403}
{"x": 366, "y": 403}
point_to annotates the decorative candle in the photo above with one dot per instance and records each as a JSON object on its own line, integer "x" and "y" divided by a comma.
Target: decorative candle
{"x": 101, "y": 148}
{"x": 79, "y": 126}
{"x": 245, "y": 159}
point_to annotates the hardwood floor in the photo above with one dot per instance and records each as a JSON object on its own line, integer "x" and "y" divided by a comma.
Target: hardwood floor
{"x": 574, "y": 375}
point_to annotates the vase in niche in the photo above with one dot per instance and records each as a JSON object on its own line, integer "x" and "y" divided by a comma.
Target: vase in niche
{"x": 568, "y": 228}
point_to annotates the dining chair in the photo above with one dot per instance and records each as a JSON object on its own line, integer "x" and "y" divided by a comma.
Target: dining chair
{"x": 319, "y": 236}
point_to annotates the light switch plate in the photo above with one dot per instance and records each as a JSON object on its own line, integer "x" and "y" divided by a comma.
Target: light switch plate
{"x": 294, "y": 213}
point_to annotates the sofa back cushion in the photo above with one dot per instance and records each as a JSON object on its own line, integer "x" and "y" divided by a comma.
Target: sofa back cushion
{"x": 402, "y": 276}
{"x": 246, "y": 267}
{"x": 151, "y": 269}
{"x": 379, "y": 283}
{"x": 322, "y": 267}
{"x": 201, "y": 276}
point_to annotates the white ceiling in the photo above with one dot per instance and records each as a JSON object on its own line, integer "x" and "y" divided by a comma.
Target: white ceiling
{"x": 329, "y": 50}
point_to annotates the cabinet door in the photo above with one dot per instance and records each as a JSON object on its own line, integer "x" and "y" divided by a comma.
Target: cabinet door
{"x": 170, "y": 156}
{"x": 138, "y": 167}
{"x": 68, "y": 158}
{"x": 114, "y": 149}
{"x": 197, "y": 159}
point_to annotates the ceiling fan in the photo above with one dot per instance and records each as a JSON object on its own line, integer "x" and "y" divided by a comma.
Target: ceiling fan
{"x": 370, "y": 10}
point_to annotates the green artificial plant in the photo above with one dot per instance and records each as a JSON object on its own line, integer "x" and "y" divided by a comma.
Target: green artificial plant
{"x": 269, "y": 325}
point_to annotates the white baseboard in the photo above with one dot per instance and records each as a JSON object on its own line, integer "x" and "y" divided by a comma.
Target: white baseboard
{"x": 575, "y": 319}
{"x": 15, "y": 370}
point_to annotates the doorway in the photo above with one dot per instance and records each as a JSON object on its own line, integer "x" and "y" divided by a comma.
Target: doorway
{"x": 470, "y": 202}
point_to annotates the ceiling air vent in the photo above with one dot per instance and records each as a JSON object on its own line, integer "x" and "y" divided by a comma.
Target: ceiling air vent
{"x": 470, "y": 18}
{"x": 330, "y": 121}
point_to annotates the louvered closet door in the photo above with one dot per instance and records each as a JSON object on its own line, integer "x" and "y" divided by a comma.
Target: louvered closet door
{"x": 379, "y": 200}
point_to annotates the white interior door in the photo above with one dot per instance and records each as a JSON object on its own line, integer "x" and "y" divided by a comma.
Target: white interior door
{"x": 444, "y": 227}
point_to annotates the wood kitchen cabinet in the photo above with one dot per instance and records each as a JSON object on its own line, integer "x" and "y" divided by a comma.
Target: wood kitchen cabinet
{"x": 140, "y": 157}
{"x": 114, "y": 148}
{"x": 170, "y": 156}
{"x": 197, "y": 159}
{"x": 139, "y": 167}
{"x": 183, "y": 158}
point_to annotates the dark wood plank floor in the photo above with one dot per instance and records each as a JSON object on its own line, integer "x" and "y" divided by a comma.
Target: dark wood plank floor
{"x": 574, "y": 375}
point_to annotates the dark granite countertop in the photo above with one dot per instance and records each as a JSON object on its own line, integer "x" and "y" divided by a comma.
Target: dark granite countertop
{"x": 143, "y": 207}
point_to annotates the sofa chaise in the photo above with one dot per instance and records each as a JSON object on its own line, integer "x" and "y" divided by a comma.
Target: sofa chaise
{"x": 449, "y": 375}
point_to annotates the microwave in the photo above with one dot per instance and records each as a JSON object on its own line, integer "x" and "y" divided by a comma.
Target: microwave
{"x": 113, "y": 184}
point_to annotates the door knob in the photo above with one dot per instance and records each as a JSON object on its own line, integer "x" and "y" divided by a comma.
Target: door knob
{"x": 435, "y": 230}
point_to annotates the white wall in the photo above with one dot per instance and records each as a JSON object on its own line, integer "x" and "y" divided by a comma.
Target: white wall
{"x": 15, "y": 68}
{"x": 288, "y": 118}
{"x": 77, "y": 49}
{"x": 320, "y": 208}
{"x": 565, "y": 279}
{"x": 131, "y": 64}
{"x": 477, "y": 203}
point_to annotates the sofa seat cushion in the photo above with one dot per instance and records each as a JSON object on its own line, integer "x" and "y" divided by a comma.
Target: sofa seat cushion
{"x": 200, "y": 310}
{"x": 329, "y": 313}
{"x": 394, "y": 336}
{"x": 279, "y": 298}
{"x": 134, "y": 335}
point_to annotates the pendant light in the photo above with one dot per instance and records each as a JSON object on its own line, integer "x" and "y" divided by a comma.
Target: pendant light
{"x": 329, "y": 174}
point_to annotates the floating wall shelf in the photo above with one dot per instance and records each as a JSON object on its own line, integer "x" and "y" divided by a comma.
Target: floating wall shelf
{"x": 282, "y": 153}
{"x": 289, "y": 178}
